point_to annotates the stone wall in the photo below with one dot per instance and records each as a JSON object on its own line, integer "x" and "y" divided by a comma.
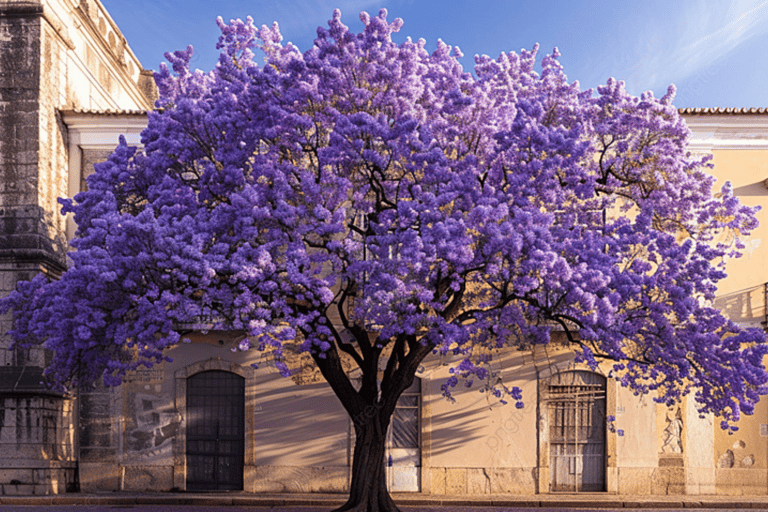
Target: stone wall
{"x": 54, "y": 55}
{"x": 52, "y": 161}
{"x": 293, "y": 479}
{"x": 19, "y": 92}
{"x": 37, "y": 445}
{"x": 36, "y": 430}
{"x": 480, "y": 481}
{"x": 27, "y": 228}
{"x": 99, "y": 414}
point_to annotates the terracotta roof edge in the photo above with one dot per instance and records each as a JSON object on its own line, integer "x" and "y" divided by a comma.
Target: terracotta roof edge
{"x": 712, "y": 111}
{"x": 96, "y": 112}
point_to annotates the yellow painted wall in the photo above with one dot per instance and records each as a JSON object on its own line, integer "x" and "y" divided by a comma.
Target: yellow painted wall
{"x": 741, "y": 295}
{"x": 476, "y": 430}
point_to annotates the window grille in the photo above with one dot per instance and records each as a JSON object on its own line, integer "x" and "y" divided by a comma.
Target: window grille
{"x": 404, "y": 442}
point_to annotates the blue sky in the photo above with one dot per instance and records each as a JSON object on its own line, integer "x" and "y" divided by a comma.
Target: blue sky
{"x": 714, "y": 51}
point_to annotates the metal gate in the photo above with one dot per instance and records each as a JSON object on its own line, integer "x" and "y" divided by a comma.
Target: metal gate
{"x": 577, "y": 431}
{"x": 403, "y": 442}
{"x": 215, "y": 431}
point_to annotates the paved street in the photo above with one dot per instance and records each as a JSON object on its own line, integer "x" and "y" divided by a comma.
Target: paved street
{"x": 241, "y": 502}
{"x": 195, "y": 508}
{"x": 290, "y": 508}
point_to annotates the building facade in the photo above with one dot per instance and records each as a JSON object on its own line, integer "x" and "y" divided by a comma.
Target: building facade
{"x": 60, "y": 61}
{"x": 738, "y": 141}
{"x": 69, "y": 85}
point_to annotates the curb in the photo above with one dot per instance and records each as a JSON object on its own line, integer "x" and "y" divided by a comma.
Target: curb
{"x": 448, "y": 502}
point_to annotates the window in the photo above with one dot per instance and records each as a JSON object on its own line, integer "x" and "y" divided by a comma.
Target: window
{"x": 404, "y": 442}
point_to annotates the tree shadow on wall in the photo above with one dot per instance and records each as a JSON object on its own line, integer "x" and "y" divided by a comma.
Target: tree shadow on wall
{"x": 746, "y": 305}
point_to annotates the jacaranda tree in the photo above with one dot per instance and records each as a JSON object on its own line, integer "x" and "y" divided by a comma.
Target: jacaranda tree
{"x": 372, "y": 203}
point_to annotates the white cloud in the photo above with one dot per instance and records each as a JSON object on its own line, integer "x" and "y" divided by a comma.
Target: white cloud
{"x": 743, "y": 20}
{"x": 712, "y": 32}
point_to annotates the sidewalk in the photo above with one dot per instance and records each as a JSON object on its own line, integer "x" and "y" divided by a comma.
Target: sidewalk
{"x": 404, "y": 500}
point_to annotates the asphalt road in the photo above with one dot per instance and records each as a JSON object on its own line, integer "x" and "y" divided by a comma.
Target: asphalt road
{"x": 195, "y": 508}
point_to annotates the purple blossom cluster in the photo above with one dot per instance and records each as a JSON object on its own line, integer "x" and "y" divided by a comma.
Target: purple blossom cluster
{"x": 610, "y": 422}
{"x": 379, "y": 203}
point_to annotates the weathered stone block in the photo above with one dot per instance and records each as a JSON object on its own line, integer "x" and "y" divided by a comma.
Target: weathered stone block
{"x": 635, "y": 481}
{"x": 97, "y": 454}
{"x": 36, "y": 477}
{"x": 455, "y": 481}
{"x": 738, "y": 481}
{"x": 96, "y": 404}
{"x": 56, "y": 485}
{"x": 666, "y": 481}
{"x": 519, "y": 481}
{"x": 437, "y": 481}
{"x": 96, "y": 476}
{"x": 41, "y": 476}
{"x": 95, "y": 433}
{"x": 264, "y": 481}
{"x": 282, "y": 479}
{"x": 19, "y": 489}
{"x": 180, "y": 477}
{"x": 700, "y": 481}
{"x": 330, "y": 480}
{"x": 148, "y": 478}
{"x": 478, "y": 481}
{"x": 501, "y": 481}
{"x": 22, "y": 450}
{"x": 672, "y": 460}
{"x": 249, "y": 478}
{"x": 22, "y": 475}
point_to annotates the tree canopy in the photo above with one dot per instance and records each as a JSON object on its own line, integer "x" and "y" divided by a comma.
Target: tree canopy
{"x": 374, "y": 201}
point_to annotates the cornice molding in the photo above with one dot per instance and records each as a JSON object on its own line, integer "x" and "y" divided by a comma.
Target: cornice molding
{"x": 727, "y": 131}
{"x": 101, "y": 130}
{"x": 17, "y": 8}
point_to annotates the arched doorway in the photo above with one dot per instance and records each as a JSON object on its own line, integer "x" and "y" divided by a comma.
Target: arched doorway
{"x": 576, "y": 407}
{"x": 215, "y": 431}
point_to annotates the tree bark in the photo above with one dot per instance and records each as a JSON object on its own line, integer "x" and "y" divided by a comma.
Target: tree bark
{"x": 368, "y": 488}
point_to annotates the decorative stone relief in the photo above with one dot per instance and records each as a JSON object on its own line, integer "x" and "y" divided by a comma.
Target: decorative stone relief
{"x": 150, "y": 427}
{"x": 735, "y": 457}
{"x": 673, "y": 442}
{"x": 726, "y": 460}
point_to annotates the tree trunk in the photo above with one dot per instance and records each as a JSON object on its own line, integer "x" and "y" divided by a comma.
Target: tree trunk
{"x": 368, "y": 488}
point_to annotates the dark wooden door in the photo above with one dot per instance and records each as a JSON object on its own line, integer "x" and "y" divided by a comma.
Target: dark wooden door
{"x": 215, "y": 431}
